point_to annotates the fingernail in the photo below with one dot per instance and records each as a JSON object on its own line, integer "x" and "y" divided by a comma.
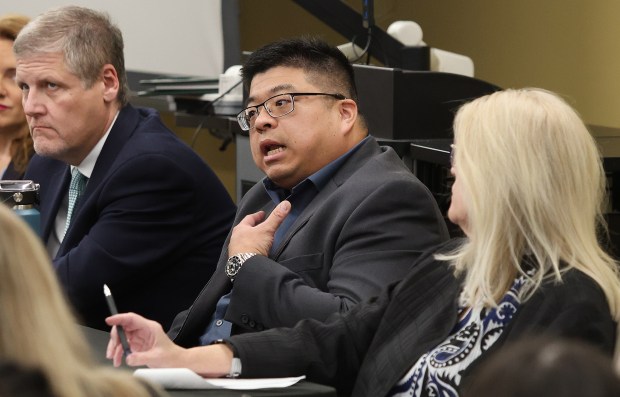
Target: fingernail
{"x": 285, "y": 205}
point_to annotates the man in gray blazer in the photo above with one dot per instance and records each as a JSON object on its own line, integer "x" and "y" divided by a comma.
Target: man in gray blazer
{"x": 350, "y": 217}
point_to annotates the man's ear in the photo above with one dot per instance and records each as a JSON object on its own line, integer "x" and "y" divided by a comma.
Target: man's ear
{"x": 110, "y": 83}
{"x": 348, "y": 113}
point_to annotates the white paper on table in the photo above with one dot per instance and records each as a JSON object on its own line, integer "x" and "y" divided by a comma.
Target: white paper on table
{"x": 184, "y": 378}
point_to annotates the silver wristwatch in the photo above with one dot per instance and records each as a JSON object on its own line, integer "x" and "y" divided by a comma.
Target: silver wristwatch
{"x": 234, "y": 263}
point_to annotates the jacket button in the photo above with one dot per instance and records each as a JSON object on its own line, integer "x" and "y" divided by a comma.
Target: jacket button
{"x": 252, "y": 324}
{"x": 219, "y": 323}
{"x": 244, "y": 318}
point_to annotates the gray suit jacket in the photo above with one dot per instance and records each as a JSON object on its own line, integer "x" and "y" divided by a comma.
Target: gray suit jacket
{"x": 363, "y": 231}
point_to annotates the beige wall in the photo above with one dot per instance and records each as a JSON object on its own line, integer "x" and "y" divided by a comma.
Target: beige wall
{"x": 568, "y": 46}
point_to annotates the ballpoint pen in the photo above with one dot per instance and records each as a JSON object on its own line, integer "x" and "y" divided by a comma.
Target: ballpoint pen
{"x": 121, "y": 333}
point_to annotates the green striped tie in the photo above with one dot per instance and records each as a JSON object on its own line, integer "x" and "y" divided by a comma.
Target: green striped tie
{"x": 76, "y": 188}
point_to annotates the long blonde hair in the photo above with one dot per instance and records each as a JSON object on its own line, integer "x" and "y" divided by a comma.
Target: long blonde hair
{"x": 38, "y": 328}
{"x": 533, "y": 185}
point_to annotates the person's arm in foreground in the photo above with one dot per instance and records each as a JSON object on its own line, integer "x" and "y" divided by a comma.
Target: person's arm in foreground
{"x": 151, "y": 346}
{"x": 329, "y": 352}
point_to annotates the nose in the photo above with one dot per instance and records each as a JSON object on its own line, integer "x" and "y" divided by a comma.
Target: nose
{"x": 263, "y": 120}
{"x": 31, "y": 103}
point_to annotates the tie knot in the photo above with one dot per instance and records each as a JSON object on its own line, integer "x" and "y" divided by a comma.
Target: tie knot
{"x": 78, "y": 182}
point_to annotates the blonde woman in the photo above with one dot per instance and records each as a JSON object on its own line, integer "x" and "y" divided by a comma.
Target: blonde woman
{"x": 528, "y": 193}
{"x": 15, "y": 141}
{"x": 39, "y": 331}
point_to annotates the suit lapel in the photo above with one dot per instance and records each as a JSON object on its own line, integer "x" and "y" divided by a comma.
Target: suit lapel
{"x": 202, "y": 309}
{"x": 352, "y": 164}
{"x": 124, "y": 126}
{"x": 58, "y": 186}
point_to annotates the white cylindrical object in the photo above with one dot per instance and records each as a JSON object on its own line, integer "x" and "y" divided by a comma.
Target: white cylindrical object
{"x": 407, "y": 32}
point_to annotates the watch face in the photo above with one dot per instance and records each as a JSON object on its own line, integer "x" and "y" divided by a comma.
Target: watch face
{"x": 232, "y": 266}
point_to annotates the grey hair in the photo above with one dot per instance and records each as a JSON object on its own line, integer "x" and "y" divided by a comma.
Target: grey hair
{"x": 87, "y": 39}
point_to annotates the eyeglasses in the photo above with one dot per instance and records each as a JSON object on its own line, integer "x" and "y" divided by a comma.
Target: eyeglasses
{"x": 276, "y": 106}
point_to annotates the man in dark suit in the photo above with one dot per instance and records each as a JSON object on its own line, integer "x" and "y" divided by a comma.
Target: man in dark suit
{"x": 123, "y": 201}
{"x": 354, "y": 220}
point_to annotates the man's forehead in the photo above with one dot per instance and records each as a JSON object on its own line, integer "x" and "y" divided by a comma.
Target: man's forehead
{"x": 41, "y": 63}
{"x": 274, "y": 90}
{"x": 39, "y": 55}
{"x": 278, "y": 80}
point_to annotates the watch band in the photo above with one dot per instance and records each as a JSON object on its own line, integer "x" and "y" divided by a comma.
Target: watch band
{"x": 235, "y": 262}
{"x": 235, "y": 365}
{"x": 245, "y": 255}
{"x": 235, "y": 368}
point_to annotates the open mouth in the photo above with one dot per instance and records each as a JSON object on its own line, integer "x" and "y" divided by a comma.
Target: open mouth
{"x": 270, "y": 150}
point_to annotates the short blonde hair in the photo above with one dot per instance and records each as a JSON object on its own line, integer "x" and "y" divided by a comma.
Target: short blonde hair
{"x": 39, "y": 330}
{"x": 534, "y": 185}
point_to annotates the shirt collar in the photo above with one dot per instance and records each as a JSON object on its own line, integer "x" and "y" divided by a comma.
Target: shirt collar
{"x": 88, "y": 164}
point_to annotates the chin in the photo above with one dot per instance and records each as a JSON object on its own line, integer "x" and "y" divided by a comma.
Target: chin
{"x": 276, "y": 174}
{"x": 47, "y": 151}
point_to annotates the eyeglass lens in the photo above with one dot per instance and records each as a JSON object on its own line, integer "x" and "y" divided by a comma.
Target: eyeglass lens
{"x": 277, "y": 106}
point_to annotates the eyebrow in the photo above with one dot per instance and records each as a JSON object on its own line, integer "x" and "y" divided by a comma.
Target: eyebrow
{"x": 274, "y": 91}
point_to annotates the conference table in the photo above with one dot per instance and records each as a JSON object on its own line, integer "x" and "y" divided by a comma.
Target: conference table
{"x": 98, "y": 341}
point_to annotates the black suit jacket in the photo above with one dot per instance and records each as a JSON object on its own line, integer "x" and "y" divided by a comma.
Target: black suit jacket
{"x": 366, "y": 351}
{"x": 150, "y": 224}
{"x": 362, "y": 232}
{"x": 11, "y": 173}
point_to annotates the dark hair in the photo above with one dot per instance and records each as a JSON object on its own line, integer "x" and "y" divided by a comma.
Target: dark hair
{"x": 542, "y": 366}
{"x": 17, "y": 380}
{"x": 324, "y": 63}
